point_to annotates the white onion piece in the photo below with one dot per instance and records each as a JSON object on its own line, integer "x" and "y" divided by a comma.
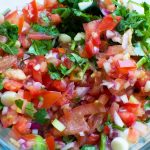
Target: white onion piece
{"x": 147, "y": 86}
{"x": 108, "y": 84}
{"x": 5, "y": 110}
{"x": 107, "y": 67}
{"x": 124, "y": 98}
{"x": 110, "y": 34}
{"x": 68, "y": 146}
{"x": 118, "y": 120}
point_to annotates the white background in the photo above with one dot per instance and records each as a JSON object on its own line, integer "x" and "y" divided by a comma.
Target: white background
{"x": 13, "y": 4}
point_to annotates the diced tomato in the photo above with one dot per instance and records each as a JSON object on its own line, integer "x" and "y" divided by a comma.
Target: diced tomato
{"x": 31, "y": 12}
{"x": 9, "y": 119}
{"x": 49, "y": 4}
{"x": 92, "y": 139}
{"x": 131, "y": 107}
{"x": 50, "y": 98}
{"x": 113, "y": 50}
{"x": 128, "y": 118}
{"x": 37, "y": 75}
{"x": 29, "y": 137}
{"x": 12, "y": 17}
{"x": 20, "y": 53}
{"x": 109, "y": 22}
{"x": 22, "y": 125}
{"x": 14, "y": 133}
{"x": 55, "y": 18}
{"x": 59, "y": 85}
{"x": 15, "y": 18}
{"x": 91, "y": 49}
{"x": 133, "y": 135}
{"x": 50, "y": 142}
{"x": 24, "y": 41}
{"x": 47, "y": 81}
{"x": 20, "y": 23}
{"x": 106, "y": 130}
{"x": 25, "y": 94}
{"x": 12, "y": 85}
{"x": 39, "y": 36}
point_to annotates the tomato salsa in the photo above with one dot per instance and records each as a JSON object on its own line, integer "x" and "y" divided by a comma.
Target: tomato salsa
{"x": 75, "y": 74}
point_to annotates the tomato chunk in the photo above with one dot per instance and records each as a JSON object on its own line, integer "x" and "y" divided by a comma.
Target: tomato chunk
{"x": 49, "y": 98}
{"x": 128, "y": 118}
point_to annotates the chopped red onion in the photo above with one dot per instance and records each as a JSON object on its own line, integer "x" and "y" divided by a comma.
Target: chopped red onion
{"x": 110, "y": 34}
{"x": 81, "y": 91}
{"x": 124, "y": 98}
{"x": 5, "y": 110}
{"x": 35, "y": 125}
{"x": 107, "y": 84}
{"x": 29, "y": 125}
{"x": 105, "y": 12}
{"x": 21, "y": 141}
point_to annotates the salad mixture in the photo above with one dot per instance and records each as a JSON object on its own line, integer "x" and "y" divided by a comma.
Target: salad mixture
{"x": 75, "y": 74}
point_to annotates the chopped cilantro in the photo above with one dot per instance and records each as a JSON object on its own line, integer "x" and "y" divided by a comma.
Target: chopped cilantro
{"x": 19, "y": 103}
{"x": 1, "y": 81}
{"x": 1, "y": 105}
{"x": 88, "y": 147}
{"x": 68, "y": 139}
{"x": 49, "y": 30}
{"x": 147, "y": 106}
{"x": 40, "y": 116}
{"x": 40, "y": 47}
{"x": 29, "y": 109}
{"x": 11, "y": 32}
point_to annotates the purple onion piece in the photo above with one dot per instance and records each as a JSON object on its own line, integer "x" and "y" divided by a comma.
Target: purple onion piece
{"x": 105, "y": 12}
{"x": 35, "y": 125}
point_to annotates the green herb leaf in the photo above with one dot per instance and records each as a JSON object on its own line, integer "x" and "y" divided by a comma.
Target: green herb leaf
{"x": 9, "y": 49}
{"x": 88, "y": 147}
{"x": 44, "y": 17}
{"x": 40, "y": 47}
{"x": 1, "y": 105}
{"x": 114, "y": 126}
{"x": 147, "y": 106}
{"x": 29, "y": 109}
{"x": 54, "y": 72}
{"x": 40, "y": 116}
{"x": 65, "y": 71}
{"x": 1, "y": 81}
{"x": 68, "y": 139}
{"x": 49, "y": 30}
{"x": 11, "y": 32}
{"x": 103, "y": 139}
{"x": 19, "y": 103}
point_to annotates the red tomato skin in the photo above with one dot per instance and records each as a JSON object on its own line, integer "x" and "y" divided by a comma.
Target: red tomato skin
{"x": 50, "y": 142}
{"x": 128, "y": 118}
{"x": 50, "y": 98}
{"x": 92, "y": 139}
{"x": 59, "y": 85}
{"x": 12, "y": 85}
{"x": 109, "y": 23}
{"x": 37, "y": 76}
{"x": 56, "y": 19}
{"x": 8, "y": 119}
{"x": 106, "y": 130}
{"x": 21, "y": 125}
{"x": 31, "y": 12}
{"x": 131, "y": 107}
{"x": 39, "y": 36}
{"x": 49, "y": 4}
